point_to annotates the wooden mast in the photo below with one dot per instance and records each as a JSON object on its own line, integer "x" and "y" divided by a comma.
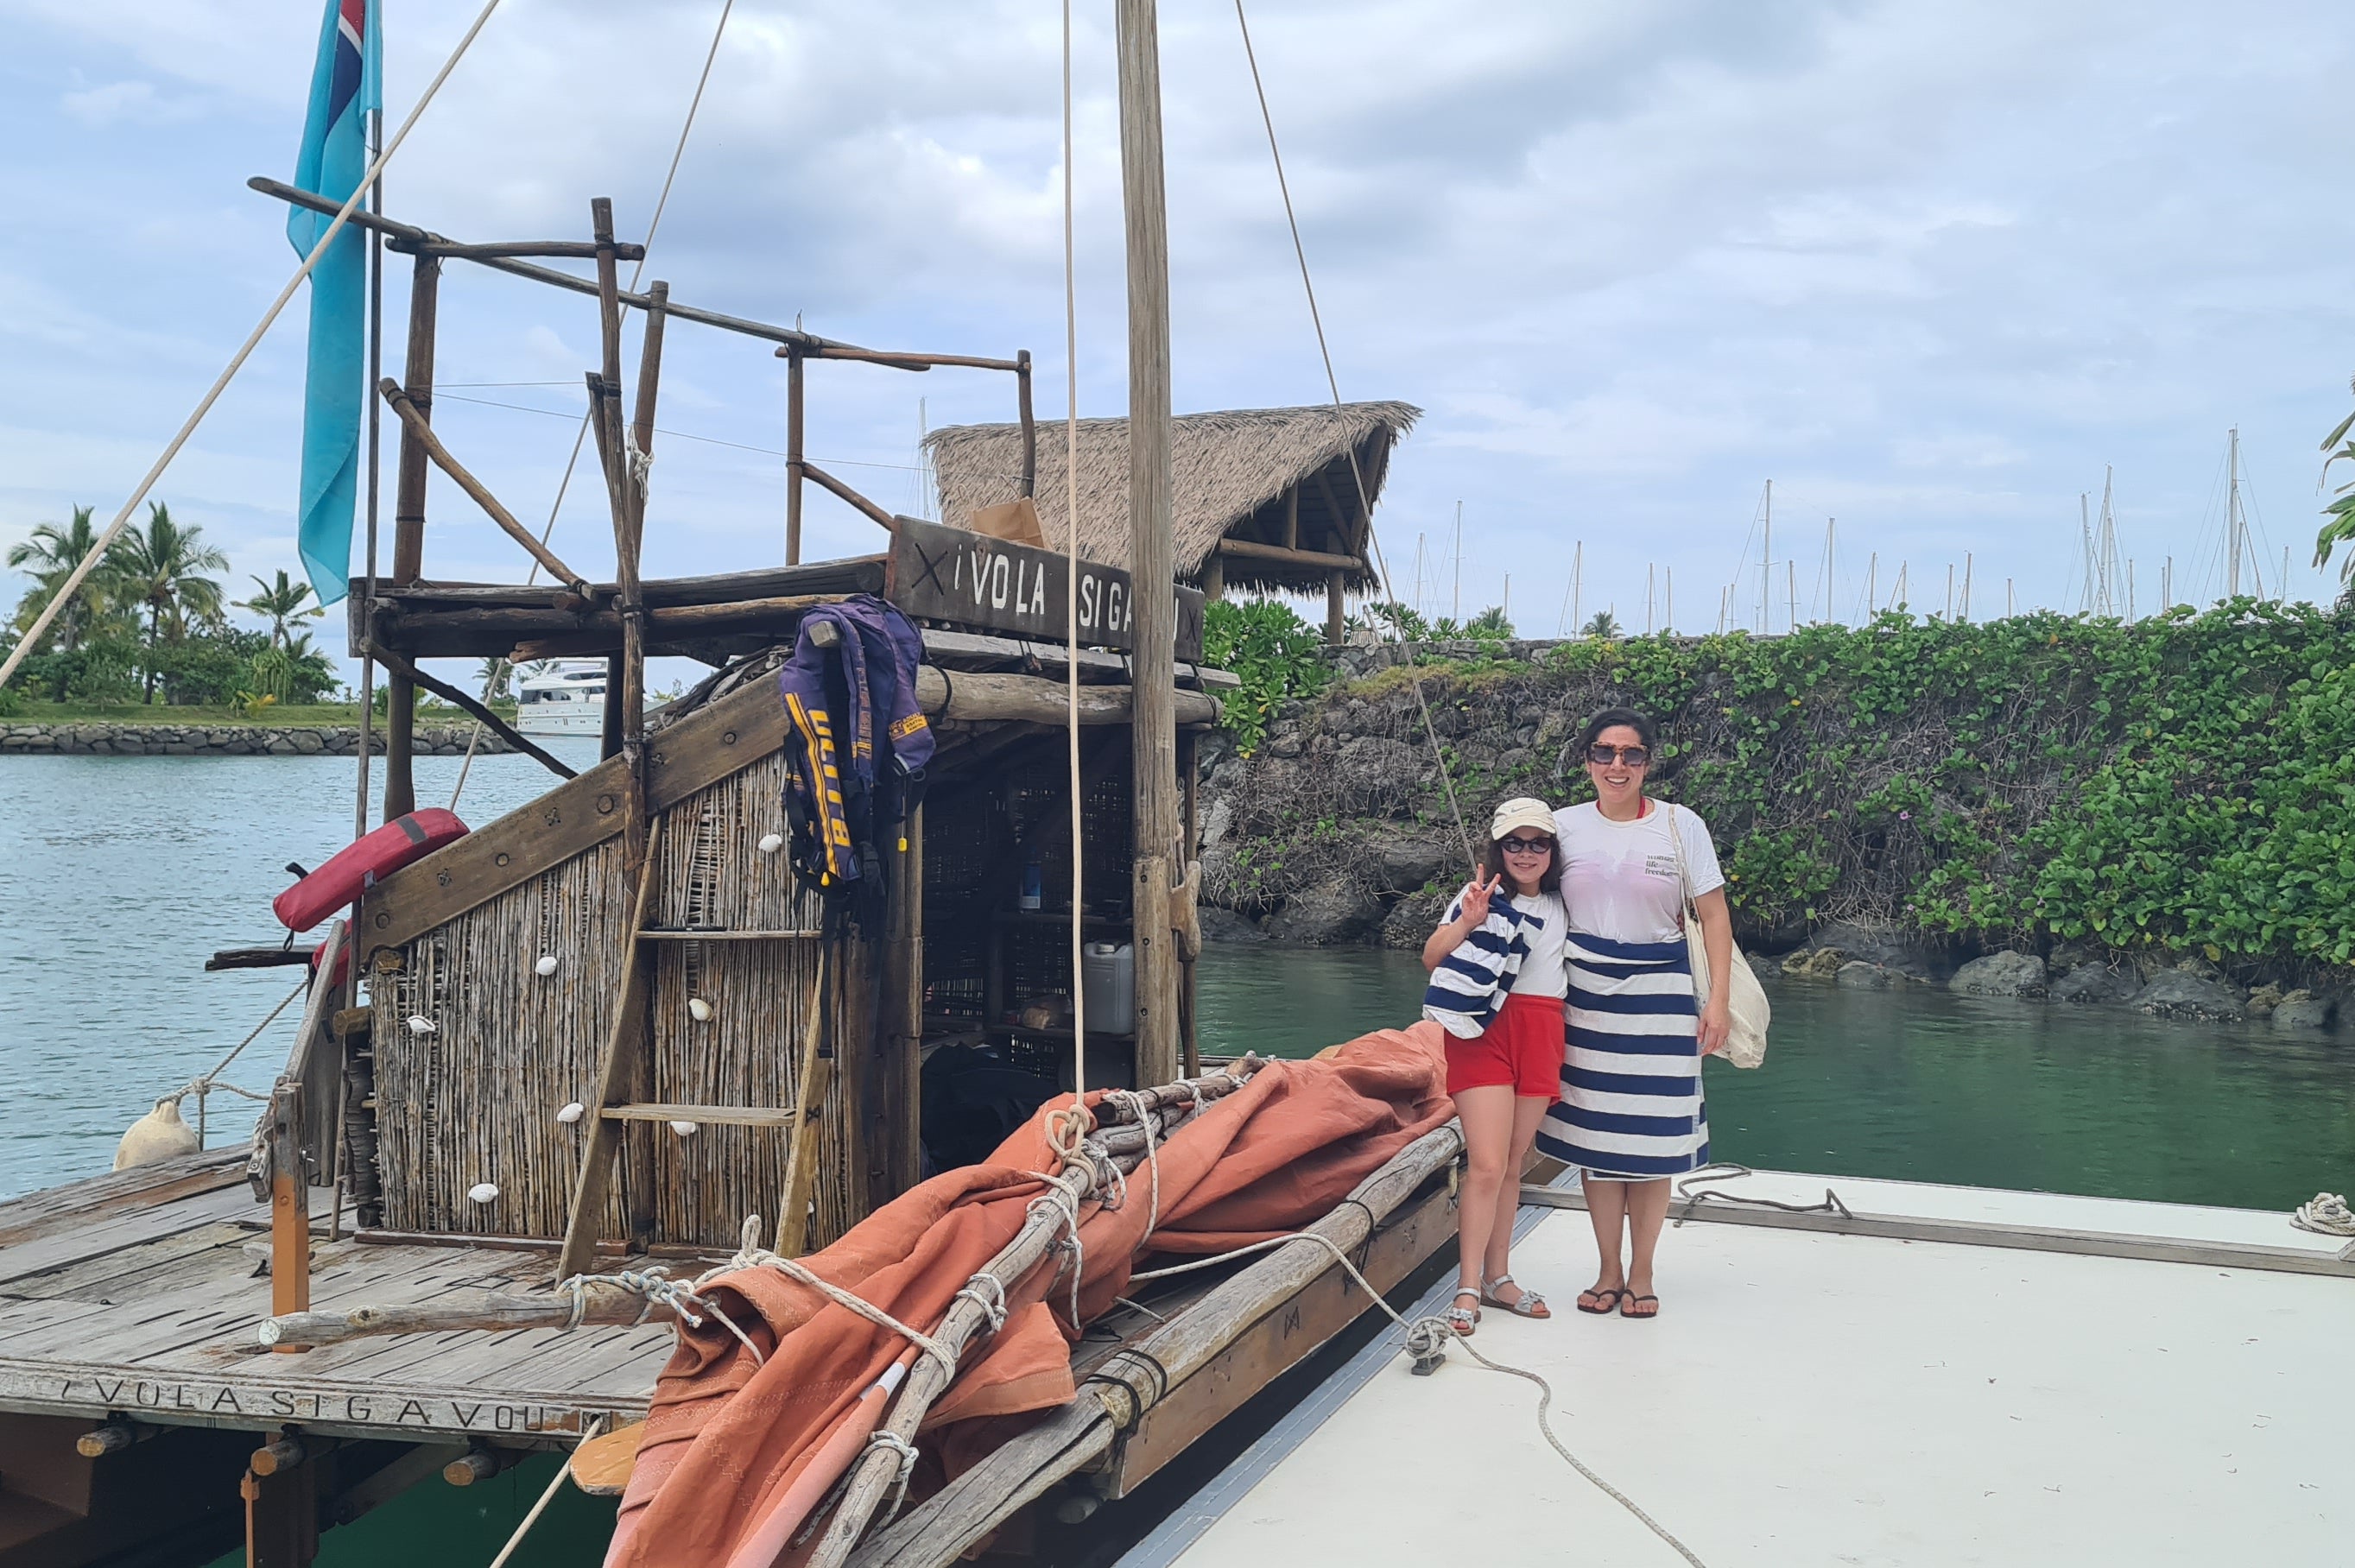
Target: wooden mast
{"x": 1158, "y": 848}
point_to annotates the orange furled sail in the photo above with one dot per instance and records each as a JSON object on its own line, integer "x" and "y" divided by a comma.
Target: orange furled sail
{"x": 737, "y": 1449}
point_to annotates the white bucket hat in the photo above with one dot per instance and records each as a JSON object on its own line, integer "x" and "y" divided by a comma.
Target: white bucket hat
{"x": 1523, "y": 811}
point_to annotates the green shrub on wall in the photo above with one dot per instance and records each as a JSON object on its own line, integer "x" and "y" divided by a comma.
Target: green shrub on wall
{"x": 1276, "y": 654}
{"x": 2186, "y": 781}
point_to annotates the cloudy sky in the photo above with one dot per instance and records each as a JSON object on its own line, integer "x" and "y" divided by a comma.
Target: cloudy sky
{"x": 1928, "y": 268}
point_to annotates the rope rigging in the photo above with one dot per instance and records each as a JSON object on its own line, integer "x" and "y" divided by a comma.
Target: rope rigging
{"x": 1357, "y": 472}
{"x": 639, "y": 462}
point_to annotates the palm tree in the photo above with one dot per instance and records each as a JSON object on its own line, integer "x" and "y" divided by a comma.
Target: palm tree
{"x": 1489, "y": 624}
{"x": 1605, "y": 625}
{"x": 51, "y": 553}
{"x": 160, "y": 567}
{"x": 279, "y": 603}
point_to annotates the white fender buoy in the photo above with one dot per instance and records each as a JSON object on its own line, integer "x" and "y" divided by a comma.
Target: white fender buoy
{"x": 771, "y": 842}
{"x": 572, "y": 1113}
{"x": 546, "y": 966}
{"x": 419, "y": 1024}
{"x": 160, "y": 1135}
{"x": 482, "y": 1192}
{"x": 683, "y": 1129}
{"x": 699, "y": 1010}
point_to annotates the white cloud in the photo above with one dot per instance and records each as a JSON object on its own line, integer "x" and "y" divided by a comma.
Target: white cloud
{"x": 1928, "y": 267}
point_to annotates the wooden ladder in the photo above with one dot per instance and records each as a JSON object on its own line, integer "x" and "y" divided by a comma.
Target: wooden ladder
{"x": 613, "y": 1111}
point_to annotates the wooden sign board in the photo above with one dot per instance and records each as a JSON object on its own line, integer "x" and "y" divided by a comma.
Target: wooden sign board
{"x": 940, "y": 573}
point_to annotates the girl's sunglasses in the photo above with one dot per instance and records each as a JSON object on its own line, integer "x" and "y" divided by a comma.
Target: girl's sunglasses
{"x": 1630, "y": 756}
{"x": 1519, "y": 845}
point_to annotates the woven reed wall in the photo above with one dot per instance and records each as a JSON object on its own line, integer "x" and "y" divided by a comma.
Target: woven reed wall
{"x": 477, "y": 1100}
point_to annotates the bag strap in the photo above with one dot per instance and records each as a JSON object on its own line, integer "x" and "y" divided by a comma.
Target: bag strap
{"x": 1676, "y": 840}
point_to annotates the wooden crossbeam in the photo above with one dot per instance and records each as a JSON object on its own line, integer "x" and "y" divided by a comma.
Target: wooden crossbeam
{"x": 717, "y": 1116}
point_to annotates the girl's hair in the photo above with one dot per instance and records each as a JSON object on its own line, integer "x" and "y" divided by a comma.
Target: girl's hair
{"x": 1612, "y": 719}
{"x": 1492, "y": 865}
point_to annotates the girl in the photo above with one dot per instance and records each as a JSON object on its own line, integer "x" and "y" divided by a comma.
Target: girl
{"x": 1632, "y": 1115}
{"x": 1497, "y": 984}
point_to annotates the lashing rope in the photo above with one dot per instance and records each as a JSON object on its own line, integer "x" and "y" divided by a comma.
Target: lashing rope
{"x": 751, "y": 1254}
{"x": 884, "y": 1437}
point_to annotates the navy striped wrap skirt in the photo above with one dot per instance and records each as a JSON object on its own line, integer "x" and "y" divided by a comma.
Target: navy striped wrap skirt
{"x": 1631, "y": 1106}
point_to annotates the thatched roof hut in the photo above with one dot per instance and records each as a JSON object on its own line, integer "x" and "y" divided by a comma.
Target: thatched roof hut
{"x": 1265, "y": 497}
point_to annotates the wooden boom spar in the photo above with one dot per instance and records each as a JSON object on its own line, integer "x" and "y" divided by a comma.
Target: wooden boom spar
{"x": 605, "y": 1301}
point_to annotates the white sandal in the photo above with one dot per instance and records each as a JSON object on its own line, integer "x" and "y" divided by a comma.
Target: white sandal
{"x": 1530, "y": 1304}
{"x": 1461, "y": 1320}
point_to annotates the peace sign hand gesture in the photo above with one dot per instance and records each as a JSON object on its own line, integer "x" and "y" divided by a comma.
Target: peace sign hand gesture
{"x": 1476, "y": 896}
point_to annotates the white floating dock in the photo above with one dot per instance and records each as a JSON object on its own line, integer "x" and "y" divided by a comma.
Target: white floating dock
{"x": 1807, "y": 1398}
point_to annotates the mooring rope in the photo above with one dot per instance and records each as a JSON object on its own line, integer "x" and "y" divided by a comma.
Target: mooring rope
{"x": 105, "y": 541}
{"x": 563, "y": 1473}
{"x": 1726, "y": 1170}
{"x": 2324, "y": 1214}
{"x": 1426, "y": 1339}
{"x": 205, "y": 1083}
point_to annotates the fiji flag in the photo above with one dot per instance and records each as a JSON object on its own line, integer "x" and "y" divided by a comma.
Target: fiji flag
{"x": 345, "y": 87}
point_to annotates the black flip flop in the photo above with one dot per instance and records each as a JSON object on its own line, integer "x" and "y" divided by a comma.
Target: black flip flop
{"x": 1608, "y": 1302}
{"x": 1640, "y": 1317}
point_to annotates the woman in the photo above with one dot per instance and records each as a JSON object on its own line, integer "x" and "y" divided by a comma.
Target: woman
{"x": 1632, "y": 1114}
{"x": 1496, "y": 965}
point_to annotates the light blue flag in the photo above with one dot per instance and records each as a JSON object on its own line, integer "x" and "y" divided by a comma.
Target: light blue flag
{"x": 344, "y": 88}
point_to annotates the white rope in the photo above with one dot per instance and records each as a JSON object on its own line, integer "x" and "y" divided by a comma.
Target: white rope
{"x": 1426, "y": 1337}
{"x": 884, "y": 1437}
{"x": 1149, "y": 1119}
{"x": 1071, "y": 597}
{"x": 1065, "y": 1203}
{"x": 1333, "y": 382}
{"x": 237, "y": 361}
{"x": 987, "y": 1291}
{"x": 205, "y": 1083}
{"x": 2324, "y": 1214}
{"x": 751, "y": 1254}
{"x": 639, "y": 462}
{"x": 563, "y": 1473}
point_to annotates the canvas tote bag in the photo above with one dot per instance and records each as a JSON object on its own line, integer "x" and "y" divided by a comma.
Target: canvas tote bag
{"x": 1745, "y": 1040}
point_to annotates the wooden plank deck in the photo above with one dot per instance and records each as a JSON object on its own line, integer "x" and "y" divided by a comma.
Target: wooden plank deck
{"x": 137, "y": 1293}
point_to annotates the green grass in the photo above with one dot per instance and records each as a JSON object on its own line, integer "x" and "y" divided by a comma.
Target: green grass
{"x": 314, "y": 716}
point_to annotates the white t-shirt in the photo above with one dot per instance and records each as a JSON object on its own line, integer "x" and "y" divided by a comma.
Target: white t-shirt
{"x": 1543, "y": 972}
{"x": 1619, "y": 879}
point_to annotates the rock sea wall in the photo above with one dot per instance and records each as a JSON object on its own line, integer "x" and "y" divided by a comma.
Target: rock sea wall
{"x": 225, "y": 740}
{"x": 1867, "y": 815}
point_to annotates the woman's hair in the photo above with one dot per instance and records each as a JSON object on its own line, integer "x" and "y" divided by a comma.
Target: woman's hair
{"x": 1492, "y": 864}
{"x": 1612, "y": 719}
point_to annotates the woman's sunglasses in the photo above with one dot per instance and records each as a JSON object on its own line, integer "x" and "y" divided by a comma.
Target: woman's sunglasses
{"x": 1629, "y": 756}
{"x": 1525, "y": 846}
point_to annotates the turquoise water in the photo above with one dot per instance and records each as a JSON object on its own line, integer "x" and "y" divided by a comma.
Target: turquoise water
{"x": 119, "y": 876}
{"x": 1924, "y": 1086}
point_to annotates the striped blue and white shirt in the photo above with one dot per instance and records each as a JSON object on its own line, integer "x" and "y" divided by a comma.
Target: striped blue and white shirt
{"x": 1471, "y": 984}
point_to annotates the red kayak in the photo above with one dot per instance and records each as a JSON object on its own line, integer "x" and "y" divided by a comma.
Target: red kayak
{"x": 360, "y": 867}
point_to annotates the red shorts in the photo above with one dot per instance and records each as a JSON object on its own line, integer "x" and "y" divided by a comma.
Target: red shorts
{"x": 1522, "y": 1050}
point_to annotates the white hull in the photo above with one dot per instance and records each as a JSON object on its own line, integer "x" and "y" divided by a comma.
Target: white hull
{"x": 562, "y": 718}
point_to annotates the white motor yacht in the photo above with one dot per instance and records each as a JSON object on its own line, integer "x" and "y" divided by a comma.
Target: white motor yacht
{"x": 567, "y": 699}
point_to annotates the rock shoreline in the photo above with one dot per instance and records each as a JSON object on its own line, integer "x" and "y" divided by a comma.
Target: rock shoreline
{"x": 1383, "y": 858}
{"x": 225, "y": 740}
{"x": 2189, "y": 989}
